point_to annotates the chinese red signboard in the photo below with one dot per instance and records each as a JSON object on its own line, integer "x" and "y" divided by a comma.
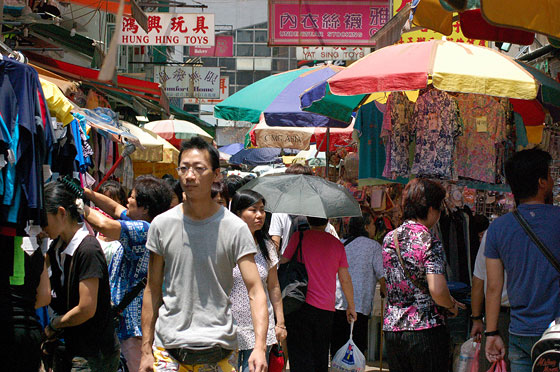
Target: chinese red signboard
{"x": 324, "y": 22}
{"x": 222, "y": 48}
{"x": 170, "y": 29}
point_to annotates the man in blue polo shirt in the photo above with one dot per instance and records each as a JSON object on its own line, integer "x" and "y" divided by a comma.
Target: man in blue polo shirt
{"x": 533, "y": 283}
{"x": 150, "y": 196}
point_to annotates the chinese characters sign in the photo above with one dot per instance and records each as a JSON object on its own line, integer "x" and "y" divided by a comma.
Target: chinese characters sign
{"x": 223, "y": 48}
{"x": 187, "y": 81}
{"x": 323, "y": 22}
{"x": 426, "y": 34}
{"x": 224, "y": 93}
{"x": 170, "y": 29}
{"x": 330, "y": 53}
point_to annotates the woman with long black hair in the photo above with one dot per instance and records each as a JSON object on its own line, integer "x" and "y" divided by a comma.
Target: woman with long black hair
{"x": 249, "y": 206}
{"x": 80, "y": 281}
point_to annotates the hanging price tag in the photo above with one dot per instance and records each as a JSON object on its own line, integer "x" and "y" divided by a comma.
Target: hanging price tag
{"x": 481, "y": 124}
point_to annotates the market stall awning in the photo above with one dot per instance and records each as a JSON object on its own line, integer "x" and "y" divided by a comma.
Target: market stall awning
{"x": 62, "y": 37}
{"x": 109, "y": 6}
{"x": 122, "y": 84}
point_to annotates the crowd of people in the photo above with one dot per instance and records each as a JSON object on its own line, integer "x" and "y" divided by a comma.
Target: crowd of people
{"x": 183, "y": 276}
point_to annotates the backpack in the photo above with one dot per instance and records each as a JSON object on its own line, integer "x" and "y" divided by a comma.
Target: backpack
{"x": 299, "y": 223}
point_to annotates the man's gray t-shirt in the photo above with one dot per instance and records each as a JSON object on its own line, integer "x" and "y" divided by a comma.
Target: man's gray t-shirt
{"x": 199, "y": 259}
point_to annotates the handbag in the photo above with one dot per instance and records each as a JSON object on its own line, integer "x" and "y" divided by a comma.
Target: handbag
{"x": 276, "y": 359}
{"x": 293, "y": 280}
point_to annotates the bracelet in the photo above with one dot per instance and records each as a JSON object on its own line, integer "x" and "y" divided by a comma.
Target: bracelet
{"x": 478, "y": 317}
{"x": 492, "y": 333}
{"x": 279, "y": 326}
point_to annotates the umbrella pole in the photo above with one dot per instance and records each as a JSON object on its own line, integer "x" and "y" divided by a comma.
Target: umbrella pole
{"x": 327, "y": 153}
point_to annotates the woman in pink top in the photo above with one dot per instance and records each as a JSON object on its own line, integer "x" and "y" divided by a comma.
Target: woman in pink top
{"x": 309, "y": 328}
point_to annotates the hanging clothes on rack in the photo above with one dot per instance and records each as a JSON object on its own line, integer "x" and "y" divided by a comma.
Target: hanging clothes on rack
{"x": 484, "y": 122}
{"x": 33, "y": 123}
{"x": 401, "y": 113}
{"x": 436, "y": 124}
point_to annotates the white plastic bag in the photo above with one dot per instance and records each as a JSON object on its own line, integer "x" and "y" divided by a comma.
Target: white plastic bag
{"x": 348, "y": 358}
{"x": 468, "y": 353}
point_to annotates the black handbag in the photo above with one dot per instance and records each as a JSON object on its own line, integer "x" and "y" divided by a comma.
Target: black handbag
{"x": 293, "y": 280}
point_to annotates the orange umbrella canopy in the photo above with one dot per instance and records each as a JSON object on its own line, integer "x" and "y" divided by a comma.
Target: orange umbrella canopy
{"x": 109, "y": 6}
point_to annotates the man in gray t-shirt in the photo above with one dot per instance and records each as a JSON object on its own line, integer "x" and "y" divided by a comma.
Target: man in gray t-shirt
{"x": 186, "y": 316}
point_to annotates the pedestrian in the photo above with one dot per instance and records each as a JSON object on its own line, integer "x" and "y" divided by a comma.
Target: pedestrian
{"x": 149, "y": 197}
{"x": 114, "y": 190}
{"x": 418, "y": 299}
{"x": 365, "y": 263}
{"x": 220, "y": 193}
{"x": 175, "y": 185}
{"x": 478, "y": 293}
{"x": 310, "y": 327}
{"x": 283, "y": 225}
{"x": 28, "y": 290}
{"x": 249, "y": 206}
{"x": 194, "y": 247}
{"x": 532, "y": 281}
{"x": 80, "y": 281}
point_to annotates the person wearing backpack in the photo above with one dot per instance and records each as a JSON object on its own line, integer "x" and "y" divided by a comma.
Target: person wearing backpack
{"x": 533, "y": 282}
{"x": 309, "y": 327}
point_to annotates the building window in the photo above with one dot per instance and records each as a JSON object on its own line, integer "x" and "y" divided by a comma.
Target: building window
{"x": 280, "y": 52}
{"x": 245, "y": 50}
{"x": 261, "y": 75}
{"x": 227, "y": 63}
{"x": 280, "y": 65}
{"x": 262, "y": 51}
{"x": 245, "y": 77}
{"x": 210, "y": 62}
{"x": 244, "y": 36}
{"x": 261, "y": 37}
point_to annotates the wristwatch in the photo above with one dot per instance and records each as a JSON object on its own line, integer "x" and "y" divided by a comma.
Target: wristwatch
{"x": 478, "y": 317}
{"x": 492, "y": 333}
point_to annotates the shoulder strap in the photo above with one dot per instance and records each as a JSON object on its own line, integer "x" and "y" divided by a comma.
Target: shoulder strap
{"x": 419, "y": 285}
{"x": 543, "y": 248}
{"x": 130, "y": 296}
{"x": 299, "y": 253}
{"x": 349, "y": 240}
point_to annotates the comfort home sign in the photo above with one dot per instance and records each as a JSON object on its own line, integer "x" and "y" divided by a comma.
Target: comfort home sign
{"x": 170, "y": 29}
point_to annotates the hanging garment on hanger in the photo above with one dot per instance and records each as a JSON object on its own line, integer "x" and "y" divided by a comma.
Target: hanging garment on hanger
{"x": 484, "y": 123}
{"x": 436, "y": 125}
{"x": 402, "y": 110}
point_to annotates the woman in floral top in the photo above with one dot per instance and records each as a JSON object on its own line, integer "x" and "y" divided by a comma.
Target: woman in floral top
{"x": 418, "y": 300}
{"x": 249, "y": 206}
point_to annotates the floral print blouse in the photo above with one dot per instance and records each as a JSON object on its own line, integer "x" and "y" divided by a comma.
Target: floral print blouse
{"x": 484, "y": 122}
{"x": 436, "y": 124}
{"x": 401, "y": 109}
{"x": 410, "y": 308}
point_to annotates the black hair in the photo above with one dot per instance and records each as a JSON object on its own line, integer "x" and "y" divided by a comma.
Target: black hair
{"x": 56, "y": 195}
{"x": 220, "y": 188}
{"x": 153, "y": 194}
{"x": 523, "y": 171}
{"x": 115, "y": 190}
{"x": 243, "y": 200}
{"x": 316, "y": 221}
{"x": 419, "y": 195}
{"x": 357, "y": 225}
{"x": 175, "y": 186}
{"x": 233, "y": 184}
{"x": 200, "y": 144}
